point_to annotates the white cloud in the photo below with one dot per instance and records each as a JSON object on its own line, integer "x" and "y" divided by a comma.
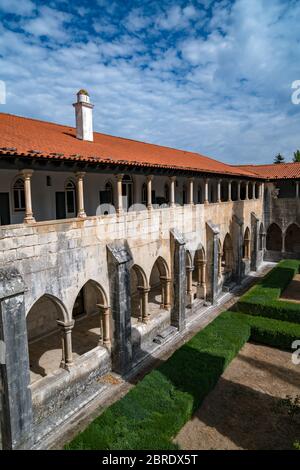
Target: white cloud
{"x": 18, "y": 7}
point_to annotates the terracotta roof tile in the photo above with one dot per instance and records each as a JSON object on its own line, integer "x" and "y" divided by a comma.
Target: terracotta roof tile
{"x": 275, "y": 171}
{"x": 30, "y": 137}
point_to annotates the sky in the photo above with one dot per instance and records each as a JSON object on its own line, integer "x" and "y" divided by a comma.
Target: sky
{"x": 203, "y": 75}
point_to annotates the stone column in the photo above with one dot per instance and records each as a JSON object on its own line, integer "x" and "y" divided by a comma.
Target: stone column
{"x": 119, "y": 208}
{"x": 297, "y": 189}
{"x": 106, "y": 327}
{"x": 172, "y": 190}
{"x": 247, "y": 190}
{"x": 119, "y": 263}
{"x": 212, "y": 234}
{"x": 191, "y": 191}
{"x": 283, "y": 243}
{"x": 219, "y": 190}
{"x": 229, "y": 191}
{"x": 166, "y": 295}
{"x": 189, "y": 285}
{"x": 239, "y": 191}
{"x": 206, "y": 181}
{"x": 80, "y": 196}
{"x": 27, "y": 174}
{"x": 66, "y": 337}
{"x": 144, "y": 316}
{"x": 149, "y": 192}
{"x": 178, "y": 254}
{"x": 15, "y": 394}
{"x": 203, "y": 278}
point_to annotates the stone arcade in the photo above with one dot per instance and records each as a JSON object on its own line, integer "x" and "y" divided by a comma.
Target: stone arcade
{"x": 108, "y": 246}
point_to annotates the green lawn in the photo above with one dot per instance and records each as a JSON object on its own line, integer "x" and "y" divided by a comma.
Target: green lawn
{"x": 154, "y": 411}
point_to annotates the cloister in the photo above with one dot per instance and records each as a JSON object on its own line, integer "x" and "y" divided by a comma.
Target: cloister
{"x": 109, "y": 248}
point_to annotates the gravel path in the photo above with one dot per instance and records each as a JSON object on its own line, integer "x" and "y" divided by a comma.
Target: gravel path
{"x": 242, "y": 411}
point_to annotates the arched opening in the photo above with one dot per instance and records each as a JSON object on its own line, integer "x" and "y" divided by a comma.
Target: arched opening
{"x": 160, "y": 287}
{"x": 106, "y": 197}
{"x": 70, "y": 194}
{"x": 199, "y": 274}
{"x": 190, "y": 290}
{"x": 250, "y": 190}
{"x": 139, "y": 294}
{"x": 243, "y": 191}
{"x": 274, "y": 238}
{"x": 261, "y": 237}
{"x": 234, "y": 191}
{"x": 224, "y": 190}
{"x": 127, "y": 191}
{"x": 247, "y": 245}
{"x": 292, "y": 239}
{"x": 144, "y": 194}
{"x": 227, "y": 258}
{"x": 184, "y": 195}
{"x": 44, "y": 336}
{"x": 199, "y": 194}
{"x": 257, "y": 190}
{"x": 19, "y": 195}
{"x": 92, "y": 325}
{"x": 167, "y": 193}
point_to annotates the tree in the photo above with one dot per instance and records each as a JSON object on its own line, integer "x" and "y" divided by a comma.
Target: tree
{"x": 279, "y": 159}
{"x": 296, "y": 156}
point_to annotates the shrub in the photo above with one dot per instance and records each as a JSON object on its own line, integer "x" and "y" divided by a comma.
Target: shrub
{"x": 157, "y": 407}
{"x": 276, "y": 333}
{"x": 263, "y": 299}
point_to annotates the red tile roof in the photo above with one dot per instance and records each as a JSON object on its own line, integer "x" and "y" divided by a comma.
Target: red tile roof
{"x": 40, "y": 139}
{"x": 275, "y": 171}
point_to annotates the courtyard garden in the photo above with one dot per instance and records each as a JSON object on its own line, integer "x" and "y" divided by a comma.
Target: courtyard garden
{"x": 152, "y": 413}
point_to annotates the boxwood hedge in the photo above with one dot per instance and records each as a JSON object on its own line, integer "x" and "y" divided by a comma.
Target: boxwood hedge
{"x": 263, "y": 299}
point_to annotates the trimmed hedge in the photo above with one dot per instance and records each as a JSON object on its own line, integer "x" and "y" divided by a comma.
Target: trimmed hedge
{"x": 263, "y": 299}
{"x": 276, "y": 333}
{"x": 157, "y": 407}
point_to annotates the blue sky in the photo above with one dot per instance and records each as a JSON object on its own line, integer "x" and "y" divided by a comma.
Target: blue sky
{"x": 203, "y": 75}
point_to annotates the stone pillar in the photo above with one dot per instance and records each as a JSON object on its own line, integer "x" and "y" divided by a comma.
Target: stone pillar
{"x": 247, "y": 190}
{"x": 119, "y": 263}
{"x": 212, "y": 234}
{"x": 172, "y": 190}
{"x": 255, "y": 259}
{"x": 189, "y": 285}
{"x": 149, "y": 192}
{"x": 16, "y": 403}
{"x": 239, "y": 191}
{"x": 143, "y": 292}
{"x": 219, "y": 190}
{"x": 297, "y": 189}
{"x": 119, "y": 208}
{"x": 191, "y": 191}
{"x": 179, "y": 279}
{"x": 238, "y": 269}
{"x": 206, "y": 181}
{"x": 66, "y": 338}
{"x": 27, "y": 174}
{"x": 229, "y": 191}
{"x": 283, "y": 242}
{"x": 165, "y": 292}
{"x": 106, "y": 327}
{"x": 203, "y": 279}
{"x": 80, "y": 196}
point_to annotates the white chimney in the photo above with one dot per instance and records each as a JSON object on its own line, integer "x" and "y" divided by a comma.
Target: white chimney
{"x": 84, "y": 116}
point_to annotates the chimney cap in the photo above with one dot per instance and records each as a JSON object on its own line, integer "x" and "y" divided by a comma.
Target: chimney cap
{"x": 82, "y": 92}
